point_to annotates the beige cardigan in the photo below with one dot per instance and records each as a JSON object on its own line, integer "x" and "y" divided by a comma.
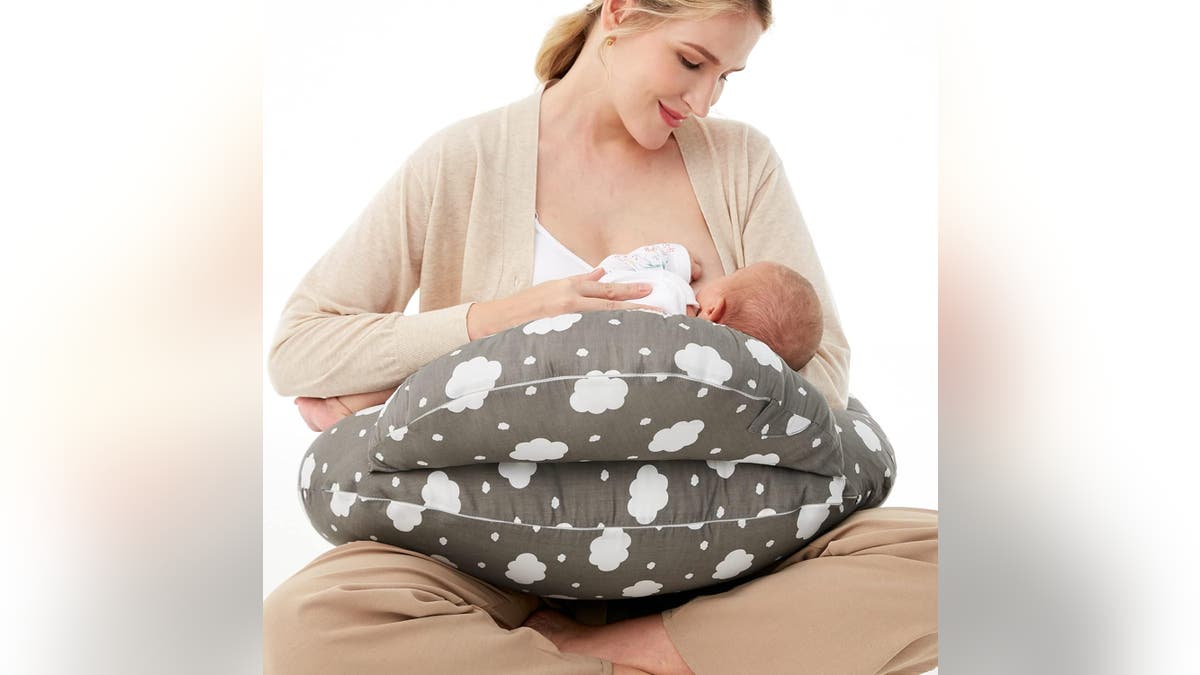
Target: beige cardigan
{"x": 457, "y": 221}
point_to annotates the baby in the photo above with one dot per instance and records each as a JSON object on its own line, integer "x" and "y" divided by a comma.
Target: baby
{"x": 767, "y": 301}
{"x": 772, "y": 303}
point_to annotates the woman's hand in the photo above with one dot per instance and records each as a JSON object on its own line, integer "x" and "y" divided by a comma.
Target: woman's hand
{"x": 580, "y": 293}
{"x": 322, "y": 413}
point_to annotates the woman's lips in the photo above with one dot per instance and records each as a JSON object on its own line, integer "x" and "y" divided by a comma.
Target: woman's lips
{"x": 669, "y": 118}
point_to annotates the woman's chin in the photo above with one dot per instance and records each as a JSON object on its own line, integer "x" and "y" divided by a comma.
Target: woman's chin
{"x": 653, "y": 140}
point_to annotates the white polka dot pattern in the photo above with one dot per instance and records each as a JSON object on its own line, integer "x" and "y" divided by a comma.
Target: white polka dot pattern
{"x": 530, "y": 486}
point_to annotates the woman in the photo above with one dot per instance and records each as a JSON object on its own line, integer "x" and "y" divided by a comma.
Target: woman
{"x": 612, "y": 152}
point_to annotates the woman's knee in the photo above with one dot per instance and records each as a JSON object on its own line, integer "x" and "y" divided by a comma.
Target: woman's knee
{"x": 309, "y": 620}
{"x": 313, "y": 604}
{"x": 287, "y": 630}
{"x": 355, "y": 585}
{"x": 899, "y": 532}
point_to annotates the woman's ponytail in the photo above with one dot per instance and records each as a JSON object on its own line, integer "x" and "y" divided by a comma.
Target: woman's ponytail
{"x": 564, "y": 42}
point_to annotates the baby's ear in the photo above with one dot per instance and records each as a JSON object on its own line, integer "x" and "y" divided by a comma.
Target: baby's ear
{"x": 716, "y": 311}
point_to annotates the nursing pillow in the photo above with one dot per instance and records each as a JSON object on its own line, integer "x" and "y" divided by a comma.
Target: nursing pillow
{"x": 612, "y": 454}
{"x": 615, "y": 385}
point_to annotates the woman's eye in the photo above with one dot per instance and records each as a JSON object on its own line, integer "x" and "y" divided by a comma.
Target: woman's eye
{"x": 692, "y": 66}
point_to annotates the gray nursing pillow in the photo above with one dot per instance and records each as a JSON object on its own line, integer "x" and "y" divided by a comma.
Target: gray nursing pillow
{"x": 619, "y": 385}
{"x": 571, "y": 515}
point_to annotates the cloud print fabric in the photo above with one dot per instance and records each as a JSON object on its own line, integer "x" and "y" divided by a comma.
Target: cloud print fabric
{"x": 619, "y": 385}
{"x": 600, "y": 455}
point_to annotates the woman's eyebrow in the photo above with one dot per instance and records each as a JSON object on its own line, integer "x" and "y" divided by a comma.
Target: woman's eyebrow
{"x": 709, "y": 55}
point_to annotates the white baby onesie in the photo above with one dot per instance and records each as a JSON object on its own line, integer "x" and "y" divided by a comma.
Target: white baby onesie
{"x": 666, "y": 267}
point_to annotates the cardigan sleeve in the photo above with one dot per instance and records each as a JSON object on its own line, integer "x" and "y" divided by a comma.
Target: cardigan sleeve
{"x": 775, "y": 231}
{"x": 343, "y": 330}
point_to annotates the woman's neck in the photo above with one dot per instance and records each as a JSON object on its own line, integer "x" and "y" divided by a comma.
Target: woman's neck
{"x": 576, "y": 113}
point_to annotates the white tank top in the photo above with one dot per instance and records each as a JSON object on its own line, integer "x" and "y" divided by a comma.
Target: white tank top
{"x": 552, "y": 260}
{"x": 671, "y": 291}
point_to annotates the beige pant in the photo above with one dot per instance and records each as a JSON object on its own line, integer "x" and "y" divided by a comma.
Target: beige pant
{"x": 861, "y": 599}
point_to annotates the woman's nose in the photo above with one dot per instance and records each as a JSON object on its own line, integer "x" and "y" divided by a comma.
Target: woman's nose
{"x": 699, "y": 110}
{"x": 703, "y": 95}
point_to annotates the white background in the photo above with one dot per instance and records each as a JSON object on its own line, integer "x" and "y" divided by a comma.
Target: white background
{"x": 131, "y": 347}
{"x": 847, "y": 92}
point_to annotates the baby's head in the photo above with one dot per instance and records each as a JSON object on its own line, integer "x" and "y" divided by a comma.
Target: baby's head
{"x": 770, "y": 302}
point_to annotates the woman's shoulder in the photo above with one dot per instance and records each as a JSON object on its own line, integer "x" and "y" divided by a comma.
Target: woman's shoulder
{"x": 466, "y": 139}
{"x": 740, "y": 153}
{"x": 725, "y": 133}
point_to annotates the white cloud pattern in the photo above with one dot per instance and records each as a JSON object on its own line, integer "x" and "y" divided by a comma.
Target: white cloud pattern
{"x": 539, "y": 450}
{"x": 809, "y": 520}
{"x": 796, "y": 424}
{"x": 553, "y": 323}
{"x": 341, "y": 501}
{"x": 404, "y": 516}
{"x": 703, "y": 363}
{"x": 735, "y": 563}
{"x": 441, "y": 493}
{"x": 641, "y": 589}
{"x": 835, "y": 490}
{"x": 306, "y": 471}
{"x": 526, "y": 569}
{"x": 769, "y": 459}
{"x": 867, "y": 434}
{"x": 610, "y": 549}
{"x": 599, "y": 392}
{"x": 517, "y": 473}
{"x": 470, "y": 382}
{"x": 764, "y": 354}
{"x": 678, "y": 436}
{"x": 647, "y": 494}
{"x": 724, "y": 468}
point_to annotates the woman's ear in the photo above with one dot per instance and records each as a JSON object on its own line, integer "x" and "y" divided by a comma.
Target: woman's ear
{"x": 616, "y": 11}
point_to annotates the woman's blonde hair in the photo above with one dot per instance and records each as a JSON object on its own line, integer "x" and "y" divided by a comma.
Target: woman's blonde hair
{"x": 565, "y": 39}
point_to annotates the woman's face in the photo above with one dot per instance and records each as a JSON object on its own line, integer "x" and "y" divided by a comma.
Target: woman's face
{"x": 681, "y": 65}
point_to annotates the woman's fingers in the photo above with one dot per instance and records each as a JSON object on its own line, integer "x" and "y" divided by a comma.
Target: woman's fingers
{"x": 613, "y": 291}
{"x": 607, "y": 295}
{"x": 589, "y": 276}
{"x": 600, "y": 305}
{"x": 629, "y": 305}
{"x": 589, "y": 285}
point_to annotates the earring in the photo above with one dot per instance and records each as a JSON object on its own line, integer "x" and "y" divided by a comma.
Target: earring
{"x": 609, "y": 42}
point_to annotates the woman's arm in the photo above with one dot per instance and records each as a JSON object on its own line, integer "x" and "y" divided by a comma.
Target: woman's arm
{"x": 775, "y": 231}
{"x": 343, "y": 330}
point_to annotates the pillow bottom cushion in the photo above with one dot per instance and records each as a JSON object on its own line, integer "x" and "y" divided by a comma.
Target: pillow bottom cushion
{"x": 593, "y": 529}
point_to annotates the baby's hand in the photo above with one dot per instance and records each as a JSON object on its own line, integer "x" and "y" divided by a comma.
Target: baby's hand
{"x": 695, "y": 270}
